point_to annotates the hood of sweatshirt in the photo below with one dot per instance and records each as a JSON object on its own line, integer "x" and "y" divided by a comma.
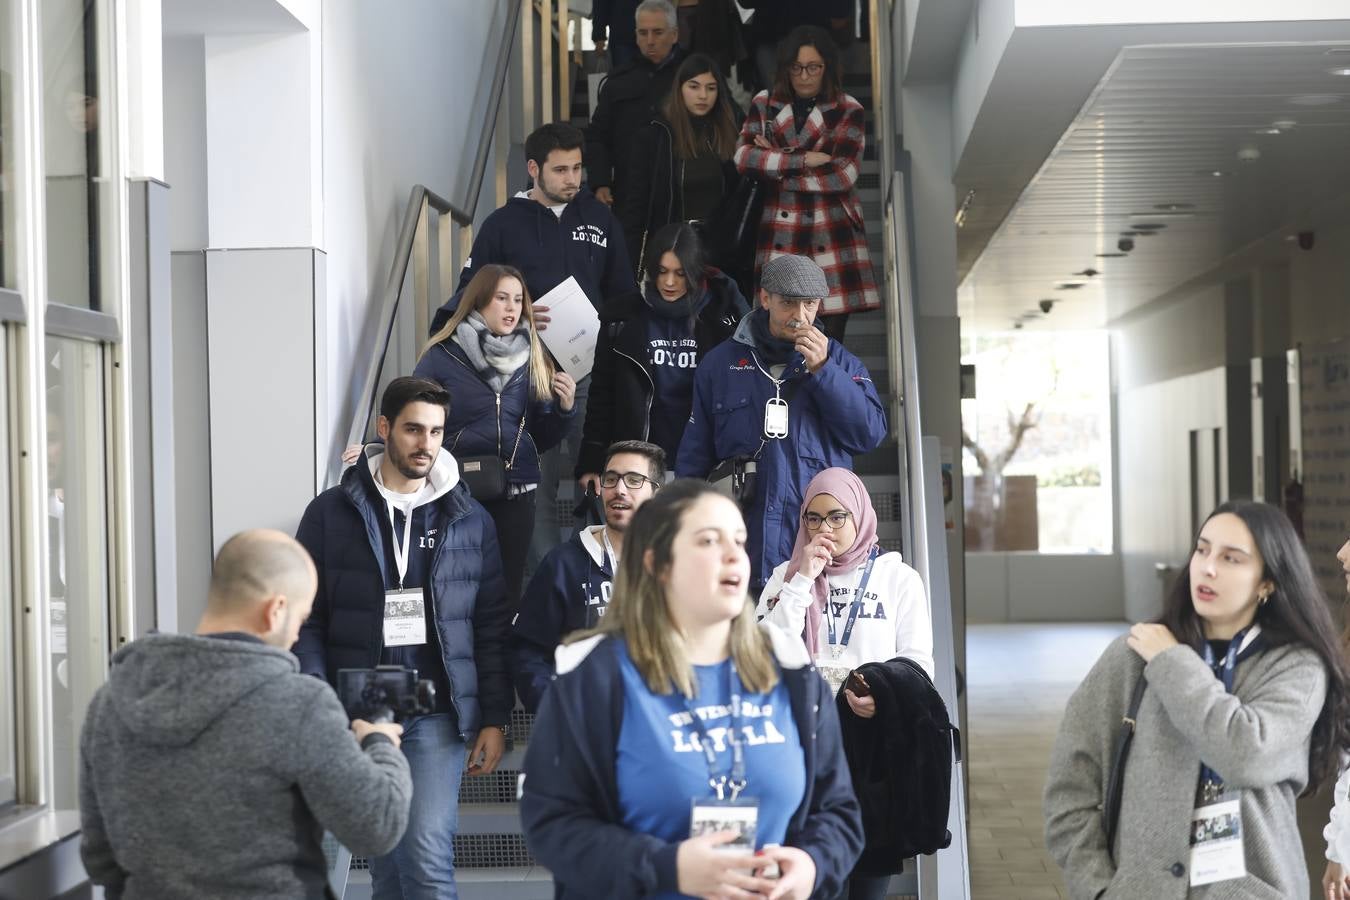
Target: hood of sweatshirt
{"x": 592, "y": 541}
{"x": 168, "y": 688}
{"x": 441, "y": 480}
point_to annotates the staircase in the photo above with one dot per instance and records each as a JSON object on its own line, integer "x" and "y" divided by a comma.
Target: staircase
{"x": 491, "y": 860}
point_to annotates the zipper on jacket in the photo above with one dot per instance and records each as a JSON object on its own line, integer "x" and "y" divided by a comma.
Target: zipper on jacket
{"x": 647, "y": 422}
{"x": 499, "y": 425}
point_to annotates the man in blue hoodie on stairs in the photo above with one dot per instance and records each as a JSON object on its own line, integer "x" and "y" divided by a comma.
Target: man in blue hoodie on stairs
{"x": 555, "y": 229}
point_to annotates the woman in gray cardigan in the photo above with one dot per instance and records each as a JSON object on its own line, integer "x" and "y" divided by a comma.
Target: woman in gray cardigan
{"x": 1246, "y": 705}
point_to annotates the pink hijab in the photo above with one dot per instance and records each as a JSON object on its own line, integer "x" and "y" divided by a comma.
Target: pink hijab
{"x": 848, "y": 489}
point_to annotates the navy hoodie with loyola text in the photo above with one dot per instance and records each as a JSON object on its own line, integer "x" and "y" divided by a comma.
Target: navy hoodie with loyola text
{"x": 586, "y": 242}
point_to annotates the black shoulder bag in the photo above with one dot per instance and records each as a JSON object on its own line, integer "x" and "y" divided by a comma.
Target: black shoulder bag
{"x": 486, "y": 475}
{"x": 1116, "y": 783}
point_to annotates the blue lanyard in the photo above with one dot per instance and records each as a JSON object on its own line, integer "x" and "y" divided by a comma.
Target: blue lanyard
{"x": 1209, "y": 779}
{"x": 737, "y": 780}
{"x": 855, "y": 606}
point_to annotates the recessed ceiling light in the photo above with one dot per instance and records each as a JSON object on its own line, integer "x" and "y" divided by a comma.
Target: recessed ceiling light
{"x": 1271, "y": 130}
{"x": 1315, "y": 99}
{"x": 1173, "y": 207}
{"x": 1339, "y": 70}
{"x": 1110, "y": 255}
{"x": 1285, "y": 124}
{"x": 1337, "y": 51}
{"x": 1213, "y": 173}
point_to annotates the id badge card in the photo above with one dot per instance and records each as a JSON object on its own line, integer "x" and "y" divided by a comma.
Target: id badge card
{"x": 1216, "y": 843}
{"x": 709, "y": 816}
{"x": 834, "y": 676}
{"x": 405, "y": 618}
{"x": 776, "y": 418}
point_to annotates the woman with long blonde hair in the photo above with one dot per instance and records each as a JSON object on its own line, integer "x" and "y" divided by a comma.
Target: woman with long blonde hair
{"x": 684, "y": 749}
{"x": 508, "y": 404}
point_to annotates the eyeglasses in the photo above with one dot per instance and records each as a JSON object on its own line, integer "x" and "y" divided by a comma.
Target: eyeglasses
{"x": 837, "y": 519}
{"x": 634, "y": 480}
{"x": 809, "y": 68}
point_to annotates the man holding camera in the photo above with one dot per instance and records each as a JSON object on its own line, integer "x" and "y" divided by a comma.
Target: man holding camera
{"x": 410, "y": 575}
{"x": 210, "y": 767}
{"x": 571, "y": 588}
{"x": 780, "y": 398}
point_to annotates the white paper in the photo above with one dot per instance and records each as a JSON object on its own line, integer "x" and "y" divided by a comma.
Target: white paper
{"x": 1216, "y": 843}
{"x": 573, "y": 328}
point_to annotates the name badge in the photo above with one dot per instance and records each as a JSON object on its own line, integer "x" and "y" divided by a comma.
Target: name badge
{"x": 1216, "y": 843}
{"x": 776, "y": 418}
{"x": 741, "y": 816}
{"x": 405, "y": 618}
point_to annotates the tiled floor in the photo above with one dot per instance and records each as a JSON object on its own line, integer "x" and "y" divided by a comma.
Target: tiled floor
{"x": 1020, "y": 677}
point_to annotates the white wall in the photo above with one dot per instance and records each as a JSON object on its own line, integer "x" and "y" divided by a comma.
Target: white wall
{"x": 185, "y": 141}
{"x": 1076, "y": 12}
{"x": 396, "y": 112}
{"x": 1154, "y": 460}
{"x": 1041, "y": 587}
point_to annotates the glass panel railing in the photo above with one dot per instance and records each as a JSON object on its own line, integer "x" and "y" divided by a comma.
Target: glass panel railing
{"x": 77, "y": 543}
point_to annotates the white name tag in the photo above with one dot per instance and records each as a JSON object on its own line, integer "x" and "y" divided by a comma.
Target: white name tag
{"x": 1216, "y": 843}
{"x": 405, "y": 618}
{"x": 776, "y": 418}
{"x": 741, "y": 816}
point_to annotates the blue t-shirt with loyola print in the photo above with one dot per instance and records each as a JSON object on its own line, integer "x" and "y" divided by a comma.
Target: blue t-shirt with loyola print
{"x": 661, "y": 766}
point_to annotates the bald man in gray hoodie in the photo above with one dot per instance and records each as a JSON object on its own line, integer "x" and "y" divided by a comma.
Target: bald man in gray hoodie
{"x": 210, "y": 767}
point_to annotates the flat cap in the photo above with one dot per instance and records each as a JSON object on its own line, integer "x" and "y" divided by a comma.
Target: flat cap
{"x": 794, "y": 276}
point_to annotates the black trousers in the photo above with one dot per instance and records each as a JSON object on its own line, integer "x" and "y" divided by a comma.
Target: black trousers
{"x": 514, "y": 518}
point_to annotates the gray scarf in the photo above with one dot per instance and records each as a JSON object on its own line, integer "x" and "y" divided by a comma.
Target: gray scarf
{"x": 495, "y": 357}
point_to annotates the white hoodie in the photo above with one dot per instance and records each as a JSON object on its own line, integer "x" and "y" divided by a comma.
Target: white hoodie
{"x": 893, "y": 621}
{"x": 1337, "y": 832}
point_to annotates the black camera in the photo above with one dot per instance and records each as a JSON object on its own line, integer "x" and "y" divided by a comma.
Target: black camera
{"x": 384, "y": 693}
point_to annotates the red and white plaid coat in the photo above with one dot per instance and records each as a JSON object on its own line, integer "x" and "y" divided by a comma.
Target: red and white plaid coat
{"x": 812, "y": 212}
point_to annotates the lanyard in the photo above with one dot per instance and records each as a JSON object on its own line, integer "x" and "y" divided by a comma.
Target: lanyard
{"x": 777, "y": 382}
{"x": 1211, "y": 781}
{"x": 400, "y": 557}
{"x": 609, "y": 552}
{"x": 736, "y": 781}
{"x": 855, "y": 606}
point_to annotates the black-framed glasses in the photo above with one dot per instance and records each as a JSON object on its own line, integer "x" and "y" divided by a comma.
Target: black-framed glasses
{"x": 634, "y": 480}
{"x": 808, "y": 69}
{"x": 837, "y": 519}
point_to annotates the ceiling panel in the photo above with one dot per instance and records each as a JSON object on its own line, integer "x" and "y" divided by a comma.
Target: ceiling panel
{"x": 1219, "y": 148}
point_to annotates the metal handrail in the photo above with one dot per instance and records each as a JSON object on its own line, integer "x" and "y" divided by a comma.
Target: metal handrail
{"x": 393, "y": 289}
{"x": 463, "y": 213}
{"x": 421, "y": 200}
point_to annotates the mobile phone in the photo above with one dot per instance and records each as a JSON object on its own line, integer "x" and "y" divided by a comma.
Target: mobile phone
{"x": 857, "y": 685}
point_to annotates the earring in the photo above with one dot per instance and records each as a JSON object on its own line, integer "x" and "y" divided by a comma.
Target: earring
{"x": 1262, "y": 599}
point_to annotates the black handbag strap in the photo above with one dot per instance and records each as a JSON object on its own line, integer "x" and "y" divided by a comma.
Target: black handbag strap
{"x": 1115, "y": 784}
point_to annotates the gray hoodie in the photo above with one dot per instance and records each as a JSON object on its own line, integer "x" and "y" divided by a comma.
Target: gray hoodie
{"x": 210, "y": 767}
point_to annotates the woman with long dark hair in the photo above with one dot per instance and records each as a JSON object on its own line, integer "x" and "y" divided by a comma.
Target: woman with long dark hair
{"x": 804, "y": 139}
{"x": 681, "y": 165}
{"x": 642, "y": 386}
{"x": 684, "y": 749}
{"x": 507, "y": 400}
{"x": 1245, "y": 704}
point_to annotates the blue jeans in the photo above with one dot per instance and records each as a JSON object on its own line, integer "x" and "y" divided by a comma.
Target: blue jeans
{"x": 422, "y": 866}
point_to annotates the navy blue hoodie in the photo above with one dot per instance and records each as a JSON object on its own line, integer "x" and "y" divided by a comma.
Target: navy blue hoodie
{"x": 569, "y": 591}
{"x": 586, "y": 243}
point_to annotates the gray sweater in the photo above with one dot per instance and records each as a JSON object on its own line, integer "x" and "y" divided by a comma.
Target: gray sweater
{"x": 210, "y": 767}
{"x": 1256, "y": 738}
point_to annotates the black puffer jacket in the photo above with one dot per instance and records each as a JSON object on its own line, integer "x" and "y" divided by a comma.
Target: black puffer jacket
{"x": 621, "y": 387}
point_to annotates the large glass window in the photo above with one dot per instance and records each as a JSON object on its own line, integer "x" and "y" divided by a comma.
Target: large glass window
{"x": 9, "y": 31}
{"x": 1037, "y": 442}
{"x": 8, "y": 672}
{"x": 77, "y": 546}
{"x": 72, "y": 150}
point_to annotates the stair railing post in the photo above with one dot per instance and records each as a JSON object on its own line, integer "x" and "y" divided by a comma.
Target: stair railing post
{"x": 422, "y": 273}
{"x": 564, "y": 62}
{"x": 546, "y": 60}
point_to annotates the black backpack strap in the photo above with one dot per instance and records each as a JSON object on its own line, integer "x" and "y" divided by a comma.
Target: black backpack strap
{"x": 1116, "y": 783}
